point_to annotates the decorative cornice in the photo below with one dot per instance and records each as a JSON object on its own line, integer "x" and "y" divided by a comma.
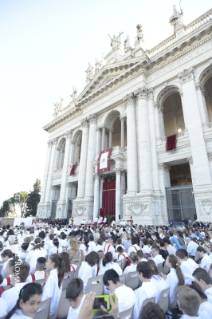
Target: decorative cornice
{"x": 186, "y": 75}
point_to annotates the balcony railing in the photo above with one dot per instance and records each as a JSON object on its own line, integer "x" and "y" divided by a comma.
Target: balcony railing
{"x": 199, "y": 22}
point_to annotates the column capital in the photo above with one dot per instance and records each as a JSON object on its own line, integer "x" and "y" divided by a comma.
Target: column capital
{"x": 55, "y": 140}
{"x": 129, "y": 98}
{"x": 190, "y": 160}
{"x": 159, "y": 106}
{"x": 84, "y": 122}
{"x": 200, "y": 87}
{"x": 68, "y": 134}
{"x": 92, "y": 118}
{"x": 118, "y": 171}
{"x": 186, "y": 75}
{"x": 141, "y": 93}
{"x": 50, "y": 143}
{"x": 164, "y": 167}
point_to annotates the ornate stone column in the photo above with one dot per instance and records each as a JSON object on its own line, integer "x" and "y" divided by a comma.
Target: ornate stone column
{"x": 144, "y": 146}
{"x": 201, "y": 169}
{"x": 157, "y": 120}
{"x": 96, "y": 197}
{"x": 123, "y": 187}
{"x": 201, "y": 101}
{"x": 61, "y": 205}
{"x": 98, "y": 142}
{"x": 101, "y": 190}
{"x": 110, "y": 138}
{"x": 89, "y": 185}
{"x": 83, "y": 160}
{"x": 132, "y": 165}
{"x": 103, "y": 139}
{"x": 122, "y": 131}
{"x": 118, "y": 194}
{"x": 45, "y": 177}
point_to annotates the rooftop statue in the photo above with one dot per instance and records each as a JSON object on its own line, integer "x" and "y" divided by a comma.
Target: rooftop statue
{"x": 90, "y": 73}
{"x": 58, "y": 106}
{"x": 127, "y": 43}
{"x": 98, "y": 65}
{"x": 176, "y": 19}
{"x": 74, "y": 94}
{"x": 115, "y": 42}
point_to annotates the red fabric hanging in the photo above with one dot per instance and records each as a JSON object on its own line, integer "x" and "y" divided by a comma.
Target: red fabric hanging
{"x": 109, "y": 197}
{"x": 72, "y": 169}
{"x": 171, "y": 142}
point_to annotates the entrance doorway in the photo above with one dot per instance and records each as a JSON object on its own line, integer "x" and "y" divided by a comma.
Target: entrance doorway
{"x": 180, "y": 203}
{"x": 54, "y": 208}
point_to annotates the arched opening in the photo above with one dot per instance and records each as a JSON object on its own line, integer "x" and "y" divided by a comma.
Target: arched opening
{"x": 173, "y": 114}
{"x": 76, "y": 152}
{"x": 115, "y": 130}
{"x": 61, "y": 153}
{"x": 116, "y": 140}
{"x": 208, "y": 97}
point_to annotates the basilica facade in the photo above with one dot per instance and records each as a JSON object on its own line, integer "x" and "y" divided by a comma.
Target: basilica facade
{"x": 137, "y": 141}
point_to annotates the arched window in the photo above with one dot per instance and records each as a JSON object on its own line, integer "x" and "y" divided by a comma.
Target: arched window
{"x": 61, "y": 154}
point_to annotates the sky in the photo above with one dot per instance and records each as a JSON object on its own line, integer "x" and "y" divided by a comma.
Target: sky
{"x": 45, "y": 47}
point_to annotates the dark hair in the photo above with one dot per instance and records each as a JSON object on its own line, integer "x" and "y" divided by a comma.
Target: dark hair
{"x": 119, "y": 249}
{"x": 7, "y": 253}
{"x": 156, "y": 248}
{"x": 86, "y": 241}
{"x": 65, "y": 257}
{"x": 144, "y": 268}
{"x": 171, "y": 233}
{"x": 56, "y": 243}
{"x": 63, "y": 236}
{"x": 181, "y": 253}
{"x": 140, "y": 253}
{"x": 145, "y": 241}
{"x": 166, "y": 241}
{"x": 134, "y": 240}
{"x": 100, "y": 241}
{"x": 153, "y": 267}
{"x": 51, "y": 236}
{"x": 25, "y": 294}
{"x": 201, "y": 249}
{"x": 201, "y": 273}
{"x": 41, "y": 261}
{"x": 92, "y": 258}
{"x": 25, "y": 246}
{"x": 42, "y": 234}
{"x": 11, "y": 264}
{"x": 198, "y": 289}
{"x": 133, "y": 257}
{"x": 74, "y": 289}
{"x": 91, "y": 237}
{"x": 38, "y": 243}
{"x": 107, "y": 258}
{"x": 152, "y": 311}
{"x": 23, "y": 271}
{"x": 112, "y": 275}
{"x": 119, "y": 241}
{"x": 174, "y": 262}
{"x": 60, "y": 265}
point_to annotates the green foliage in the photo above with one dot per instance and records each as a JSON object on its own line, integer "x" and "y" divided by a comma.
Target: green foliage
{"x": 32, "y": 203}
{"x": 110, "y": 218}
{"x": 37, "y": 186}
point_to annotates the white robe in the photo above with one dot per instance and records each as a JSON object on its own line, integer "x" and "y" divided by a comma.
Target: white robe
{"x": 19, "y": 315}
{"x": 147, "y": 290}
{"x": 51, "y": 289}
{"x": 160, "y": 285}
{"x": 11, "y": 295}
{"x": 126, "y": 298}
{"x": 205, "y": 310}
{"x": 172, "y": 281}
{"x": 85, "y": 272}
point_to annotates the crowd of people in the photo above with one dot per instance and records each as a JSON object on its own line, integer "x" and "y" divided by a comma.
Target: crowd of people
{"x": 34, "y": 261}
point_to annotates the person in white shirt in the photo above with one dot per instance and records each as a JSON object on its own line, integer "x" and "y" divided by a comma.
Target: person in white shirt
{"x": 146, "y": 248}
{"x": 203, "y": 279}
{"x": 108, "y": 247}
{"x": 135, "y": 247}
{"x": 3, "y": 307}
{"x": 171, "y": 249}
{"x": 84, "y": 248}
{"x": 34, "y": 254}
{"x": 206, "y": 260}
{"x": 75, "y": 296}
{"x": 39, "y": 271}
{"x": 157, "y": 280}
{"x": 99, "y": 246}
{"x": 108, "y": 263}
{"x": 141, "y": 256}
{"x": 175, "y": 276}
{"x": 121, "y": 253}
{"x": 205, "y": 306}
{"x": 53, "y": 286}
{"x": 13, "y": 244}
{"x": 92, "y": 244}
{"x": 56, "y": 248}
{"x": 86, "y": 270}
{"x": 187, "y": 268}
{"x": 134, "y": 261}
{"x": 6, "y": 256}
{"x": 191, "y": 247}
{"x": 188, "y": 302}
{"x": 158, "y": 259}
{"x": 147, "y": 290}
{"x": 28, "y": 302}
{"x": 125, "y": 295}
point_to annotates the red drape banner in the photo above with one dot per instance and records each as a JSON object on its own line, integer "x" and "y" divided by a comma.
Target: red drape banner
{"x": 72, "y": 169}
{"x": 171, "y": 142}
{"x": 104, "y": 161}
{"x": 109, "y": 197}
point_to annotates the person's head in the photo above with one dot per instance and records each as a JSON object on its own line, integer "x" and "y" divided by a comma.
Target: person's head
{"x": 6, "y": 254}
{"x": 166, "y": 241}
{"x": 119, "y": 241}
{"x": 41, "y": 262}
{"x": 11, "y": 239}
{"x": 144, "y": 270}
{"x": 100, "y": 241}
{"x": 56, "y": 262}
{"x": 56, "y": 242}
{"x": 181, "y": 254}
{"x": 51, "y": 236}
{"x": 91, "y": 238}
{"x": 74, "y": 292}
{"x": 86, "y": 242}
{"x": 119, "y": 250}
{"x": 155, "y": 250}
{"x": 153, "y": 267}
{"x": 111, "y": 279}
{"x": 29, "y": 300}
{"x": 23, "y": 271}
{"x": 152, "y": 311}
{"x": 202, "y": 278}
{"x": 187, "y": 240}
{"x": 107, "y": 258}
{"x": 201, "y": 251}
{"x": 140, "y": 254}
{"x": 10, "y": 267}
{"x": 38, "y": 243}
{"x": 24, "y": 247}
{"x": 172, "y": 262}
{"x": 195, "y": 286}
{"x": 134, "y": 240}
{"x": 92, "y": 258}
{"x": 134, "y": 258}
{"x": 65, "y": 257}
{"x": 74, "y": 244}
{"x": 145, "y": 241}
{"x": 188, "y": 301}
{"x": 42, "y": 234}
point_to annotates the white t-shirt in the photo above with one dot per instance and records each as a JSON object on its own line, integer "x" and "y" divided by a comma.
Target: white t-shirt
{"x": 130, "y": 268}
{"x": 133, "y": 248}
{"x": 126, "y": 298}
{"x": 147, "y": 290}
{"x": 208, "y": 293}
{"x": 158, "y": 259}
{"x": 73, "y": 313}
{"x": 160, "y": 285}
{"x": 206, "y": 262}
{"x": 172, "y": 281}
{"x": 205, "y": 310}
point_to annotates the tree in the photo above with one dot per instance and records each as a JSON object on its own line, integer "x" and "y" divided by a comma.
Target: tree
{"x": 34, "y": 199}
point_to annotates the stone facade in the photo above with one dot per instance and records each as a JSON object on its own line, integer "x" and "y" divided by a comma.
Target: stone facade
{"x": 131, "y": 86}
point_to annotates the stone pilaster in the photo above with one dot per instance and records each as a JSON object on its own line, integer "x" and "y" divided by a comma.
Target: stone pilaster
{"x": 118, "y": 194}
{"x": 96, "y": 197}
{"x": 132, "y": 165}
